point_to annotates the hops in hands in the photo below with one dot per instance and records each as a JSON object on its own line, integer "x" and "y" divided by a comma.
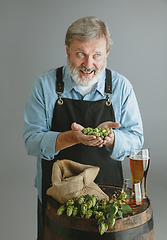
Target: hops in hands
{"x": 98, "y": 132}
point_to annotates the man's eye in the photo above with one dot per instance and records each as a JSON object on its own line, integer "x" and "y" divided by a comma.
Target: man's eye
{"x": 97, "y": 55}
{"x": 81, "y": 54}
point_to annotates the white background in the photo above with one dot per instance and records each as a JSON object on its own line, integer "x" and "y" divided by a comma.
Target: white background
{"x": 32, "y": 36}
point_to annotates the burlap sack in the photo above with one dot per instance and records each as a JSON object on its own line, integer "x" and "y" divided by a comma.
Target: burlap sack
{"x": 72, "y": 180}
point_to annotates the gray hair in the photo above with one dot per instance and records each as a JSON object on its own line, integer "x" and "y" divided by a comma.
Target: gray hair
{"x": 88, "y": 28}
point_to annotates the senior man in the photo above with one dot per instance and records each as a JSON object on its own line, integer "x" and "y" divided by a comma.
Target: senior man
{"x": 84, "y": 93}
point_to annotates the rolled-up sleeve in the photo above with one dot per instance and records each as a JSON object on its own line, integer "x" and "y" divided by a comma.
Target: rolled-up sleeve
{"x": 39, "y": 140}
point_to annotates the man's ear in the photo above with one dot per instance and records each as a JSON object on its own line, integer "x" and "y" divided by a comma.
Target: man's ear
{"x": 107, "y": 54}
{"x": 67, "y": 49}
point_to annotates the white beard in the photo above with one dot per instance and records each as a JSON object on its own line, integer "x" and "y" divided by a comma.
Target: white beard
{"x": 84, "y": 81}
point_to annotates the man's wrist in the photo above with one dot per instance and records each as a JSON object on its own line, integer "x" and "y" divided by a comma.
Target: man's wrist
{"x": 110, "y": 143}
{"x": 74, "y": 137}
{"x": 65, "y": 140}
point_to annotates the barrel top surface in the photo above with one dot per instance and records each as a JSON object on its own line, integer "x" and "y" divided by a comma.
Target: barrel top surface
{"x": 109, "y": 190}
{"x": 140, "y": 215}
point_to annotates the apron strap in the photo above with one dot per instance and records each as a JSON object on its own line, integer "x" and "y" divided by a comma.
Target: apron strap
{"x": 108, "y": 85}
{"x": 60, "y": 83}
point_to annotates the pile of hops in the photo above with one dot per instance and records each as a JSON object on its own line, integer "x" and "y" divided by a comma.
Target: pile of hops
{"x": 106, "y": 212}
{"x": 98, "y": 132}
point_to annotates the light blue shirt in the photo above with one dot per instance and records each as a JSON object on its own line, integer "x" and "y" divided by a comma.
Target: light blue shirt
{"x": 40, "y": 141}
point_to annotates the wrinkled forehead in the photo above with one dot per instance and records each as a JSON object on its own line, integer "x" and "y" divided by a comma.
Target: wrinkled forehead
{"x": 98, "y": 44}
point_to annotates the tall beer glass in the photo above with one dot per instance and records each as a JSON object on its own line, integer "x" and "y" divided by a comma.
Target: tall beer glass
{"x": 139, "y": 164}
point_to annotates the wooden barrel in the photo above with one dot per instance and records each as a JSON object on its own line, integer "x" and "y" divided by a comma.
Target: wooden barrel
{"x": 138, "y": 225}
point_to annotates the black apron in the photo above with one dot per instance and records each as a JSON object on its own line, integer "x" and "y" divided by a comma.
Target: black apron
{"x": 88, "y": 114}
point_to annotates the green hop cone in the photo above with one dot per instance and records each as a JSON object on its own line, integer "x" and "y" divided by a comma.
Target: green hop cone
{"x": 97, "y": 130}
{"x": 123, "y": 195}
{"x": 96, "y": 207}
{"x": 99, "y": 215}
{"x": 90, "y": 204}
{"x": 84, "y": 208}
{"x": 75, "y": 211}
{"x": 89, "y": 214}
{"x": 103, "y": 130}
{"x": 94, "y": 200}
{"x": 70, "y": 210}
{"x": 103, "y": 227}
{"x": 85, "y": 130}
{"x": 81, "y": 200}
{"x": 101, "y": 135}
{"x": 90, "y": 132}
{"x": 61, "y": 210}
{"x": 70, "y": 202}
{"x": 105, "y": 134}
{"x": 97, "y": 134}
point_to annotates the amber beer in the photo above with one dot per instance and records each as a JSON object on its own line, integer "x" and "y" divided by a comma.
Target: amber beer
{"x": 133, "y": 203}
{"x": 139, "y": 166}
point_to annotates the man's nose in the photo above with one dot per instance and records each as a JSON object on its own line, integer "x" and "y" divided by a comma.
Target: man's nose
{"x": 89, "y": 62}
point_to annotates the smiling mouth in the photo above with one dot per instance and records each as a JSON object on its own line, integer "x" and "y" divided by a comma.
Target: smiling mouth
{"x": 86, "y": 71}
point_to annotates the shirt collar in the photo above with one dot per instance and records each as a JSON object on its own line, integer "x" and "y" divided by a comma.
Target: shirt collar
{"x": 69, "y": 84}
